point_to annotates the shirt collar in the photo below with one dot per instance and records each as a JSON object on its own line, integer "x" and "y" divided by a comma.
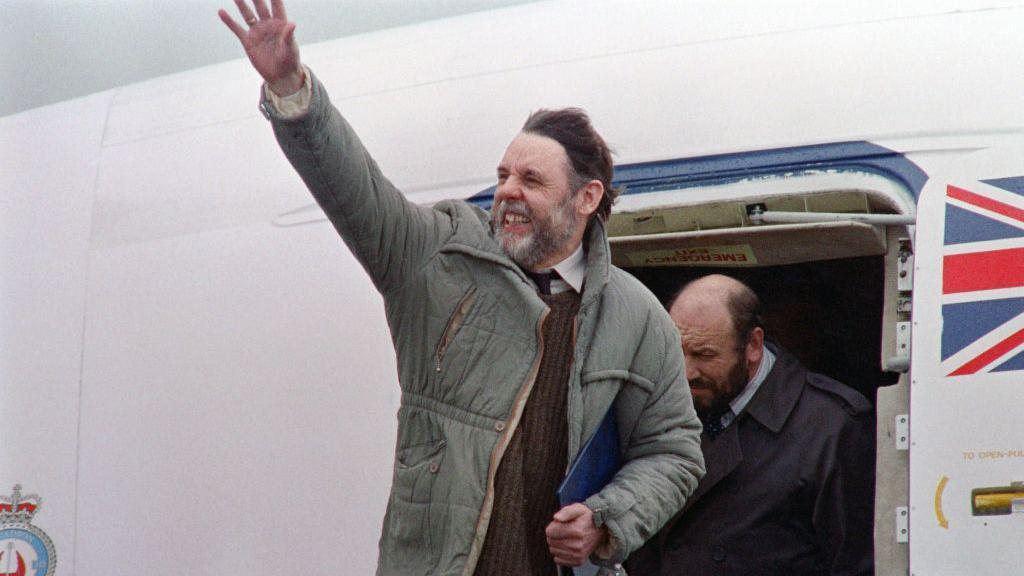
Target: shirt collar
{"x": 740, "y": 402}
{"x": 571, "y": 272}
{"x": 767, "y": 361}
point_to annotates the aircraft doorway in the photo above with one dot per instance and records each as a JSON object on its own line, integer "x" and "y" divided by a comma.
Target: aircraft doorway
{"x": 829, "y": 284}
{"x": 827, "y": 313}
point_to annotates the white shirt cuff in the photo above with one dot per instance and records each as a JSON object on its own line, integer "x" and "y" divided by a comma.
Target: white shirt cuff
{"x": 292, "y": 105}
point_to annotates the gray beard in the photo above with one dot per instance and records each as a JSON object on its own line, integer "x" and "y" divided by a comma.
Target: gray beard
{"x": 548, "y": 237}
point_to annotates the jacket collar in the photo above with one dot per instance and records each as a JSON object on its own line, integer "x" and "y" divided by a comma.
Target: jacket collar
{"x": 474, "y": 236}
{"x": 774, "y": 401}
{"x": 599, "y": 260}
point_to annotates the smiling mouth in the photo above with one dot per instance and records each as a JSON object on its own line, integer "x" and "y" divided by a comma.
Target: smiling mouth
{"x": 516, "y": 219}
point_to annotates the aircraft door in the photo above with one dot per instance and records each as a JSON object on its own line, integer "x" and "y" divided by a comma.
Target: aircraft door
{"x": 967, "y": 369}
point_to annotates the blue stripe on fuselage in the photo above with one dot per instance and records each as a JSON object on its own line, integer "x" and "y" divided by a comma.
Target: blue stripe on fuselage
{"x": 726, "y": 168}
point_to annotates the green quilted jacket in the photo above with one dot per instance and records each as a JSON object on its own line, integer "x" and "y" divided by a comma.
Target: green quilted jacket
{"x": 466, "y": 324}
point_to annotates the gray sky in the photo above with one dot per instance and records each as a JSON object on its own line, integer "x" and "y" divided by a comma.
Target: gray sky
{"x": 54, "y": 50}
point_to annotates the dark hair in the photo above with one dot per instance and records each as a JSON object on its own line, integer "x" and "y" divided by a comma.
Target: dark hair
{"x": 743, "y": 305}
{"x": 745, "y": 308}
{"x": 589, "y": 156}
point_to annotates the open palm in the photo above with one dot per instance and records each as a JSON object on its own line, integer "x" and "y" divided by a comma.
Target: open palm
{"x": 269, "y": 42}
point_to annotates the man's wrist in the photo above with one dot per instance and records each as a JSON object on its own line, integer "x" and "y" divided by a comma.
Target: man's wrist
{"x": 605, "y": 548}
{"x": 288, "y": 85}
{"x": 287, "y": 107}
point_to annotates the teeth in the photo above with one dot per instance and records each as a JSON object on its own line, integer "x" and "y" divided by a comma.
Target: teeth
{"x": 516, "y": 219}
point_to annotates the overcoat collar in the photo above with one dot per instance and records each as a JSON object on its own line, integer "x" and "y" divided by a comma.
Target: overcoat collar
{"x": 770, "y": 407}
{"x": 774, "y": 401}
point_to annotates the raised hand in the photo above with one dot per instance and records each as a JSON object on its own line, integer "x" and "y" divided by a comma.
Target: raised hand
{"x": 269, "y": 43}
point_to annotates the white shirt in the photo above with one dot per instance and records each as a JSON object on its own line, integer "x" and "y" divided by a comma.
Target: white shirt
{"x": 571, "y": 272}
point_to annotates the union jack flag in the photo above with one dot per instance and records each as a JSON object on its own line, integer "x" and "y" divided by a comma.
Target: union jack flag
{"x": 983, "y": 278}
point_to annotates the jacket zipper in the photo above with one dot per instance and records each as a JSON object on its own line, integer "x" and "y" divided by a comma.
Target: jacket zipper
{"x": 510, "y": 426}
{"x": 454, "y": 323}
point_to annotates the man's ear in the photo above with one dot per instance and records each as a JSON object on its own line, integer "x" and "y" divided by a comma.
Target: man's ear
{"x": 589, "y": 197}
{"x": 754, "y": 350}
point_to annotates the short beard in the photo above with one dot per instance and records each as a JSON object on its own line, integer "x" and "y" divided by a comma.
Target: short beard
{"x": 736, "y": 382}
{"x": 548, "y": 237}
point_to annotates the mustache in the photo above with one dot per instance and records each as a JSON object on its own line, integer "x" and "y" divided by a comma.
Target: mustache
{"x": 701, "y": 384}
{"x": 518, "y": 207}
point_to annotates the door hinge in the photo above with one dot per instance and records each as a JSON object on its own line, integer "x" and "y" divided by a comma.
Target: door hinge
{"x": 900, "y": 362}
{"x": 902, "y": 525}
{"x": 902, "y": 432}
{"x": 905, "y": 266}
{"x": 904, "y": 305}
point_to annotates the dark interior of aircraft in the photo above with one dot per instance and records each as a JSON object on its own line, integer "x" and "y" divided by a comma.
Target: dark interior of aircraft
{"x": 828, "y": 313}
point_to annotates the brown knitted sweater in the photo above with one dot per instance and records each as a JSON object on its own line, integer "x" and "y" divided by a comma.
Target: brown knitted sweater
{"x": 533, "y": 466}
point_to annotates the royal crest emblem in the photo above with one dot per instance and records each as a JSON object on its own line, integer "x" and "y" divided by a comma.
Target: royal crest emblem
{"x": 25, "y": 550}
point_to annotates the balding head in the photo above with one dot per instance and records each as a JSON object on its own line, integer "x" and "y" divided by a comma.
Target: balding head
{"x": 719, "y": 321}
{"x": 717, "y": 293}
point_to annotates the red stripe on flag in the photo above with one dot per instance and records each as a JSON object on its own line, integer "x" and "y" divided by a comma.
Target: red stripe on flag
{"x": 990, "y": 355}
{"x": 990, "y": 270}
{"x": 985, "y": 202}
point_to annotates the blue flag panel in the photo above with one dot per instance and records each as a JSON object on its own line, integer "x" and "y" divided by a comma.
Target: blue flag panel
{"x": 964, "y": 226}
{"x": 964, "y": 323}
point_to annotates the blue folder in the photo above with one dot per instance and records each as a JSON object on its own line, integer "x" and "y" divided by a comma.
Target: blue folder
{"x": 595, "y": 465}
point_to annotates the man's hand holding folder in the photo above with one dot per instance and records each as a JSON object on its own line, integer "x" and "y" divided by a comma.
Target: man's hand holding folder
{"x": 572, "y": 535}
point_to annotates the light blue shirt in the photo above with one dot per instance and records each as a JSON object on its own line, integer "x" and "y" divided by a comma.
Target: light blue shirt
{"x": 740, "y": 402}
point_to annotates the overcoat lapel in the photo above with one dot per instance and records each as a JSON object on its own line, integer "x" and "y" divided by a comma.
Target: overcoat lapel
{"x": 722, "y": 454}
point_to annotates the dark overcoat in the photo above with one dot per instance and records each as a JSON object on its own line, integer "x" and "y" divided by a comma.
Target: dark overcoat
{"x": 789, "y": 487}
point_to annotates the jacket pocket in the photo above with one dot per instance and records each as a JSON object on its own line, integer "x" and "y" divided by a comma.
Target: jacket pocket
{"x": 416, "y": 467}
{"x": 409, "y": 542}
{"x": 456, "y": 321}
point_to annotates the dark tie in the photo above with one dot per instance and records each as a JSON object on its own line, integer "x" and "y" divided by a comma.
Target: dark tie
{"x": 713, "y": 422}
{"x": 542, "y": 280}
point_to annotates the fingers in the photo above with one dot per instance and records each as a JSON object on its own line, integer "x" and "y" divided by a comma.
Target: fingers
{"x": 557, "y": 530}
{"x": 572, "y": 536}
{"x": 567, "y": 556}
{"x": 230, "y": 23}
{"x": 289, "y": 34}
{"x": 278, "y": 7}
{"x": 568, "y": 552}
{"x": 261, "y": 9}
{"x": 246, "y": 12}
{"x": 571, "y": 512}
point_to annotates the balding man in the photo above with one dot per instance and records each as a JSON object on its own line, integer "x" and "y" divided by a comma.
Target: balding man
{"x": 790, "y": 454}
